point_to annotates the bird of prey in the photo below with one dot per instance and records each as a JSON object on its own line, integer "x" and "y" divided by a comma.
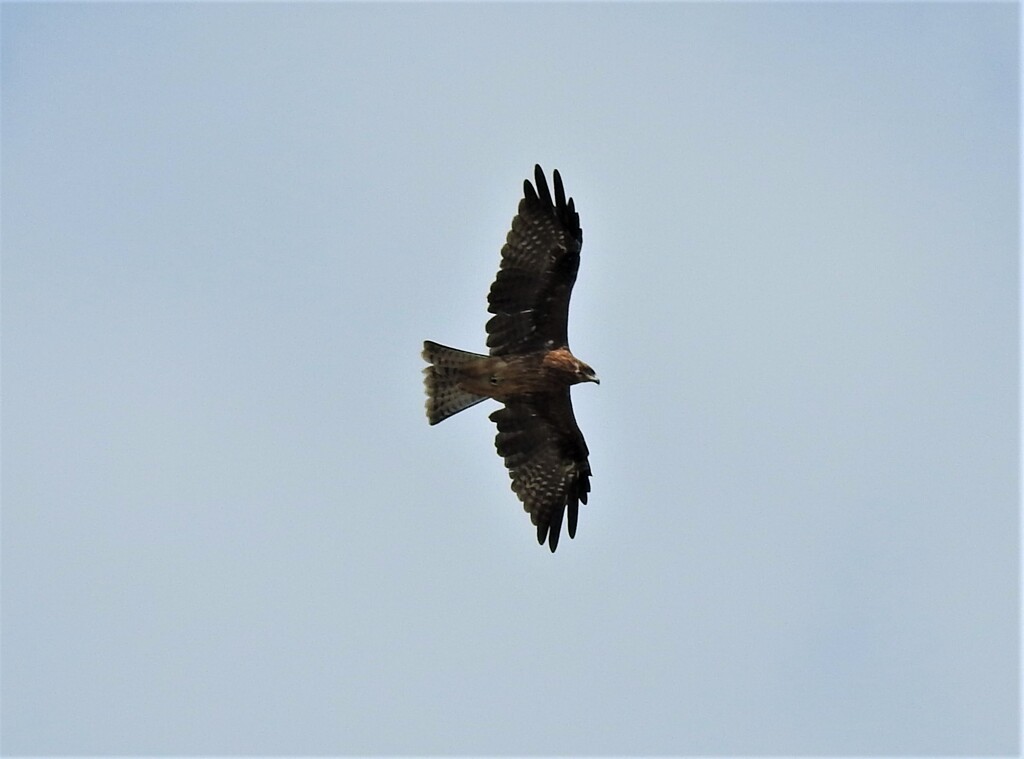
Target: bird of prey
{"x": 530, "y": 368}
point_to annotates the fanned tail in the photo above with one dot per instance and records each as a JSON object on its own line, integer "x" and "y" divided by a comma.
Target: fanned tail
{"x": 444, "y": 395}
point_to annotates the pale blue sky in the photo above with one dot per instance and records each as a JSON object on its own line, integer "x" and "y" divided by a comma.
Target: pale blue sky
{"x": 227, "y": 526}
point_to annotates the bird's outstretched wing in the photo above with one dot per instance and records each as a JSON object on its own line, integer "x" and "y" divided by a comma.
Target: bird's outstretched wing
{"x": 546, "y": 457}
{"x": 530, "y": 296}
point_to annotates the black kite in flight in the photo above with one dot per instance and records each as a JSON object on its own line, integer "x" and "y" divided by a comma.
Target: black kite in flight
{"x": 530, "y": 367}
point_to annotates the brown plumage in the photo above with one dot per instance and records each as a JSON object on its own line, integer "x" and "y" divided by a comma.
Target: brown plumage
{"x": 530, "y": 367}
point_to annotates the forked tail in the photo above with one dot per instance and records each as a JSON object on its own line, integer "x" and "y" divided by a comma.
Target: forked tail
{"x": 444, "y": 395}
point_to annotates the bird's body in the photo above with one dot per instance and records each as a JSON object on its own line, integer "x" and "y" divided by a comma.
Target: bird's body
{"x": 530, "y": 367}
{"x": 505, "y": 377}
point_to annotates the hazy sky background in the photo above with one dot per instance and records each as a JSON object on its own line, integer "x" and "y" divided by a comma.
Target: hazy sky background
{"x": 227, "y": 526}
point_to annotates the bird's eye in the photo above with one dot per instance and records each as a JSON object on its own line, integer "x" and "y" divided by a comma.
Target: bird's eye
{"x": 494, "y": 379}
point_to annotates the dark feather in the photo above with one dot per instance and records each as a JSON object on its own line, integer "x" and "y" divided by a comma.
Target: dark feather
{"x": 546, "y": 457}
{"x": 539, "y": 262}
